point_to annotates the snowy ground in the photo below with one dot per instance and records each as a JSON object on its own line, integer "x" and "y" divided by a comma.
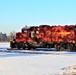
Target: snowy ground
{"x": 35, "y": 64}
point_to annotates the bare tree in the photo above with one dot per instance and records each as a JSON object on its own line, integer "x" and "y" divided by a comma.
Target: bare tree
{"x": 11, "y": 35}
{"x": 3, "y": 37}
{"x": 0, "y": 36}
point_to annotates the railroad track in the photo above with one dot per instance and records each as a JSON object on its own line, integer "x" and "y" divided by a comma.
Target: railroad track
{"x": 27, "y": 51}
{"x": 41, "y": 51}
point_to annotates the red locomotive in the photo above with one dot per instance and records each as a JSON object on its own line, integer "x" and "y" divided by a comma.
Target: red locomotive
{"x": 46, "y": 36}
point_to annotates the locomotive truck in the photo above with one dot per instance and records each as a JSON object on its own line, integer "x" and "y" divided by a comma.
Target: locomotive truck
{"x": 46, "y": 36}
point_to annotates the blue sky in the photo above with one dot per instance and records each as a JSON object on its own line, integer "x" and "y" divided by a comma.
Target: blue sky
{"x": 15, "y": 14}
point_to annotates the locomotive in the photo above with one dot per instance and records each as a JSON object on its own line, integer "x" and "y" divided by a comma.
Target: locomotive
{"x": 45, "y": 36}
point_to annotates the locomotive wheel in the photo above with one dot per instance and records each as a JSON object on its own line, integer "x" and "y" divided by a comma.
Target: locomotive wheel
{"x": 57, "y": 47}
{"x": 29, "y": 48}
{"x": 48, "y": 46}
{"x": 24, "y": 48}
{"x": 70, "y": 48}
{"x": 21, "y": 45}
{"x": 61, "y": 48}
{"x": 18, "y": 45}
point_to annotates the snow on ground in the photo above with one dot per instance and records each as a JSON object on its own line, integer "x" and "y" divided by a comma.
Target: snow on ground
{"x": 4, "y": 45}
{"x": 36, "y": 64}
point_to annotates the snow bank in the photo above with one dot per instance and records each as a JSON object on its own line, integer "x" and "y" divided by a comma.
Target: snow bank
{"x": 4, "y": 43}
{"x": 35, "y": 64}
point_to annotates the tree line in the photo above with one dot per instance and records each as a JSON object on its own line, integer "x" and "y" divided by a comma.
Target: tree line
{"x": 6, "y": 38}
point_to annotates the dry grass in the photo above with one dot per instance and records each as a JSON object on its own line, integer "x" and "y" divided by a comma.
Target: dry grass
{"x": 70, "y": 70}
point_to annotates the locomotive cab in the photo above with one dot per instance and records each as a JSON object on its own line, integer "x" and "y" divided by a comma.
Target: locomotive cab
{"x": 25, "y": 29}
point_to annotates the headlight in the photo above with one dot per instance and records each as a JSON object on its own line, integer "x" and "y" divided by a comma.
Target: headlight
{"x": 37, "y": 32}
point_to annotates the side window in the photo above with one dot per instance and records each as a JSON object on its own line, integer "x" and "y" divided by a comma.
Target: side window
{"x": 32, "y": 34}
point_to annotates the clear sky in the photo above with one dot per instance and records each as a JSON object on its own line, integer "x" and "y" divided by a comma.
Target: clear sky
{"x": 15, "y": 14}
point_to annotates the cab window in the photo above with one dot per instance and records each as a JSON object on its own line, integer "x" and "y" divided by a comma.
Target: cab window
{"x": 25, "y": 31}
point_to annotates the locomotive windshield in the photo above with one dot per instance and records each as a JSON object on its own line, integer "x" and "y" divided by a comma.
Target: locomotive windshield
{"x": 25, "y": 31}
